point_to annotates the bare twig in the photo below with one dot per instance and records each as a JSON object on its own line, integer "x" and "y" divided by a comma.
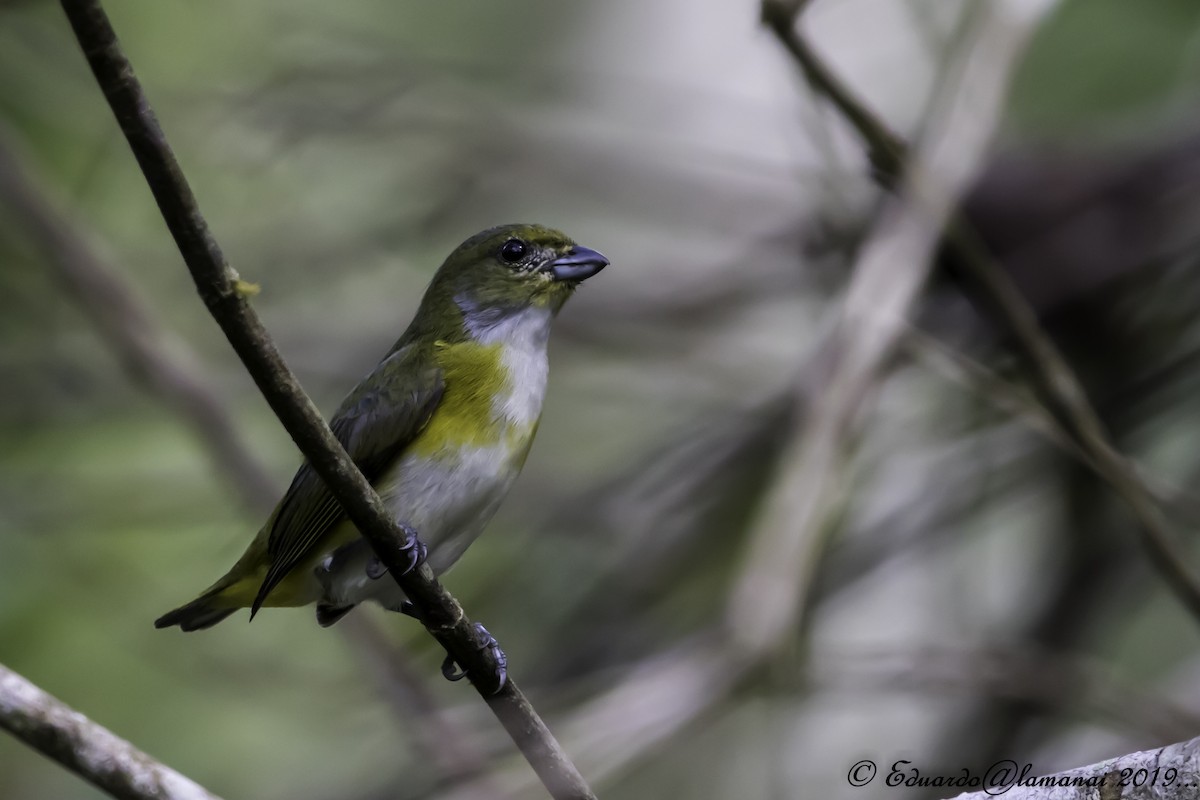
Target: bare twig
{"x": 626, "y": 724}
{"x": 1167, "y": 773}
{"x": 886, "y": 150}
{"x": 94, "y": 753}
{"x": 1050, "y": 369}
{"x": 165, "y": 365}
{"x": 221, "y": 290}
{"x": 679, "y": 687}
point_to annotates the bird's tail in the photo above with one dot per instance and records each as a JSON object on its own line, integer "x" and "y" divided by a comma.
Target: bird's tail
{"x": 205, "y": 611}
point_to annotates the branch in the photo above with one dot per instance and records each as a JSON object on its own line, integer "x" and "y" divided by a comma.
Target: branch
{"x": 1050, "y": 369}
{"x": 164, "y": 365}
{"x": 1168, "y": 773}
{"x": 635, "y": 717}
{"x": 94, "y": 753}
{"x": 885, "y": 149}
{"x": 223, "y": 293}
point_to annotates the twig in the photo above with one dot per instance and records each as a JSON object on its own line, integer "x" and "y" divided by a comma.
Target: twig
{"x": 639, "y": 714}
{"x": 885, "y": 149}
{"x": 1050, "y": 369}
{"x": 1167, "y": 773}
{"x": 220, "y": 289}
{"x": 164, "y": 365}
{"x": 679, "y": 687}
{"x": 93, "y": 752}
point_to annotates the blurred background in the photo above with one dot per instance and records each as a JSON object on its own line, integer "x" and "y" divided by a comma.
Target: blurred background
{"x": 979, "y": 593}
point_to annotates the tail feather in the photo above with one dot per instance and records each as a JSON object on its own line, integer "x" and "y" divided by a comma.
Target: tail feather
{"x": 203, "y": 612}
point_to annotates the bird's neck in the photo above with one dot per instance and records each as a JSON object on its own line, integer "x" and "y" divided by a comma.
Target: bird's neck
{"x": 523, "y": 326}
{"x": 495, "y": 379}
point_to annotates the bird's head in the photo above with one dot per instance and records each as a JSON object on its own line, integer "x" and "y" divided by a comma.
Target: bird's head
{"x": 509, "y": 269}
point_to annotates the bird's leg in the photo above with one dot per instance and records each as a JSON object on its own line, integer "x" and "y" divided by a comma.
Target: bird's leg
{"x": 452, "y": 672}
{"x": 414, "y": 549}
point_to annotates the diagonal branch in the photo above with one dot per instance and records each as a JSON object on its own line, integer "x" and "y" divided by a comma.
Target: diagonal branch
{"x": 1050, "y": 370}
{"x": 1167, "y": 773}
{"x": 885, "y": 149}
{"x": 162, "y": 363}
{"x": 87, "y": 749}
{"x": 222, "y": 292}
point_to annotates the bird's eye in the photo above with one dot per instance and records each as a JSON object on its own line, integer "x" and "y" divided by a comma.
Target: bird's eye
{"x": 513, "y": 251}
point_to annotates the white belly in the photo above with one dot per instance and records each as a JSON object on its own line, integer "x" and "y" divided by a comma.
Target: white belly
{"x": 447, "y": 504}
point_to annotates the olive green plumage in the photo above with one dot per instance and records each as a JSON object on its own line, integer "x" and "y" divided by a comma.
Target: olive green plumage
{"x": 440, "y": 427}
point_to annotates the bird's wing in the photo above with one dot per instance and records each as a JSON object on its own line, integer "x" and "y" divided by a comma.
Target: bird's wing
{"x": 374, "y": 423}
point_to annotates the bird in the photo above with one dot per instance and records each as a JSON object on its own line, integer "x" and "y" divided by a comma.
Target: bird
{"x": 441, "y": 427}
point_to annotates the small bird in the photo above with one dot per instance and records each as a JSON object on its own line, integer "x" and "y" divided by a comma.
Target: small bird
{"x": 441, "y": 428}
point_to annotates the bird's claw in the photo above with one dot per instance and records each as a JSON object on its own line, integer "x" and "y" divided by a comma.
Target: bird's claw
{"x": 414, "y": 550}
{"x": 452, "y": 672}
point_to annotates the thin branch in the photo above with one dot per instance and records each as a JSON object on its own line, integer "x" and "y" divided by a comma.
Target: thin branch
{"x": 93, "y": 752}
{"x": 1167, "y": 773}
{"x": 1050, "y": 369}
{"x": 636, "y": 716}
{"x": 681, "y": 686}
{"x": 164, "y": 365}
{"x": 223, "y": 293}
{"x": 885, "y": 149}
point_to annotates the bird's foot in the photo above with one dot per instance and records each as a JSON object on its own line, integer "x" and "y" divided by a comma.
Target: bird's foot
{"x": 453, "y": 672}
{"x": 414, "y": 549}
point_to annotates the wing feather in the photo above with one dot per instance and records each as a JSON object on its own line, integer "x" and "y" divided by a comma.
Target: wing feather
{"x": 375, "y": 423}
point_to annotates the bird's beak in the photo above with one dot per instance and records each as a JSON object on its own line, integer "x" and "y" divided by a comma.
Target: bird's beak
{"x": 579, "y": 263}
